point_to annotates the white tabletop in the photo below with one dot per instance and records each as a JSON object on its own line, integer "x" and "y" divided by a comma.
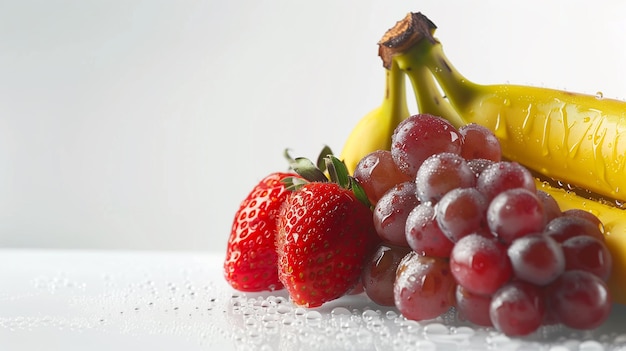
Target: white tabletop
{"x": 133, "y": 300}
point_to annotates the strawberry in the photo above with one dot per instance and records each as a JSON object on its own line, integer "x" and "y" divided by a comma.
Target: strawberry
{"x": 250, "y": 263}
{"x": 324, "y": 235}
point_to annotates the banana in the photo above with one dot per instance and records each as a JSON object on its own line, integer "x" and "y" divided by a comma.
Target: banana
{"x": 374, "y": 130}
{"x": 575, "y": 138}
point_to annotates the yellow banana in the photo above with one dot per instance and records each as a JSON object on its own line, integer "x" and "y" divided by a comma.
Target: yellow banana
{"x": 374, "y": 130}
{"x": 578, "y": 139}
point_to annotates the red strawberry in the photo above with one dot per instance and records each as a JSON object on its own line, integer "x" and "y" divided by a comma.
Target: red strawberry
{"x": 324, "y": 236}
{"x": 250, "y": 263}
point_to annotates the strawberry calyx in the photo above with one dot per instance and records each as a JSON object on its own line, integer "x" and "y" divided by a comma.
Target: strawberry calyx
{"x": 328, "y": 168}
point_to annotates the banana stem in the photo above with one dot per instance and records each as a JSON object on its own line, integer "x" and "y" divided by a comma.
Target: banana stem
{"x": 429, "y": 97}
{"x": 411, "y": 45}
{"x": 395, "y": 102}
{"x": 459, "y": 90}
{"x": 374, "y": 130}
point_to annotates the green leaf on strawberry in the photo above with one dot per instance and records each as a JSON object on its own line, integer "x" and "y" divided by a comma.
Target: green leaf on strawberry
{"x": 336, "y": 168}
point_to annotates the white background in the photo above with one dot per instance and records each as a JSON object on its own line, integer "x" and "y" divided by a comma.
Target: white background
{"x": 143, "y": 124}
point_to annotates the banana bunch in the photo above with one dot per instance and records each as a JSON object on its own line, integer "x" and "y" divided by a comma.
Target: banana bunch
{"x": 374, "y": 130}
{"x": 578, "y": 139}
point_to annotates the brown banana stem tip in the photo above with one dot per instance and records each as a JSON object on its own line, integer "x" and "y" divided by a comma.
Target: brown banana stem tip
{"x": 404, "y": 34}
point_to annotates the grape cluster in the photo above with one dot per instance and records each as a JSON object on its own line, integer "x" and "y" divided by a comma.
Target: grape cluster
{"x": 464, "y": 228}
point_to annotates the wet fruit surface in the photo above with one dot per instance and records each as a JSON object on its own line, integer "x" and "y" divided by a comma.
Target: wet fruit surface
{"x": 455, "y": 231}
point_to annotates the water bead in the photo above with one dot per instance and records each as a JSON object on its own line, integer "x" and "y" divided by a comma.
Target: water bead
{"x": 300, "y": 312}
{"x": 284, "y": 309}
{"x": 364, "y": 337}
{"x": 340, "y": 312}
{"x": 313, "y": 315}
{"x": 590, "y": 345}
{"x": 391, "y": 314}
{"x": 370, "y": 315}
{"x": 436, "y": 329}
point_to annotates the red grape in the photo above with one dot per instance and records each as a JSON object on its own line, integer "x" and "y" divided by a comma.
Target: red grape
{"x": 391, "y": 211}
{"x": 579, "y": 300}
{"x": 514, "y": 213}
{"x": 420, "y": 136}
{"x": 517, "y": 309}
{"x": 502, "y": 176}
{"x": 589, "y": 254}
{"x": 379, "y": 273}
{"x": 577, "y": 212}
{"x": 462, "y": 212}
{"x": 424, "y": 287}
{"x": 565, "y": 227}
{"x": 423, "y": 233}
{"x": 550, "y": 206}
{"x": 480, "y": 264}
{"x": 377, "y": 173}
{"x": 473, "y": 307}
{"x": 479, "y": 142}
{"x": 536, "y": 258}
{"x": 441, "y": 173}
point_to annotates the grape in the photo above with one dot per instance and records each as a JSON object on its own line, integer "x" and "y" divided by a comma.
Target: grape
{"x": 379, "y": 273}
{"x": 577, "y": 212}
{"x": 579, "y": 300}
{"x": 514, "y": 213}
{"x": 502, "y": 176}
{"x": 473, "y": 307}
{"x": 424, "y": 287}
{"x": 462, "y": 212}
{"x": 517, "y": 309}
{"x": 391, "y": 211}
{"x": 537, "y": 259}
{"x": 480, "y": 264}
{"x": 565, "y": 227}
{"x": 441, "y": 173}
{"x": 357, "y": 289}
{"x": 550, "y": 206}
{"x": 420, "y": 136}
{"x": 377, "y": 173}
{"x": 479, "y": 142}
{"x": 589, "y": 254}
{"x": 423, "y": 233}
{"x": 461, "y": 227}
